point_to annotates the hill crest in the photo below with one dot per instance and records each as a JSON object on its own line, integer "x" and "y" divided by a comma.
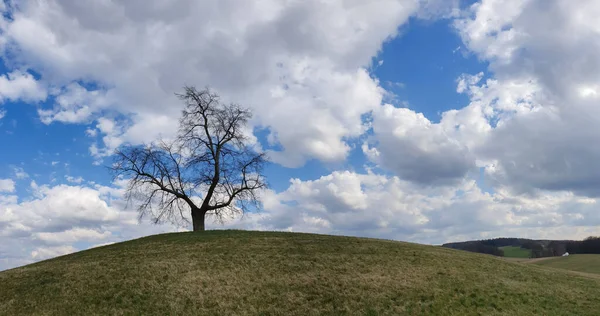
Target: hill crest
{"x": 274, "y": 273}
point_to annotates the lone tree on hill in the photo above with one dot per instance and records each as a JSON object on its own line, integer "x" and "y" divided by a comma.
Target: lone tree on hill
{"x": 208, "y": 169}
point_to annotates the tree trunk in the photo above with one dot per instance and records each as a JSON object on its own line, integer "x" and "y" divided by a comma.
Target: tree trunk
{"x": 198, "y": 220}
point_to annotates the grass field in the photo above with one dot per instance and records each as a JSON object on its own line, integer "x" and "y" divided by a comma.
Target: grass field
{"x": 579, "y": 263}
{"x": 266, "y": 273}
{"x": 516, "y": 252}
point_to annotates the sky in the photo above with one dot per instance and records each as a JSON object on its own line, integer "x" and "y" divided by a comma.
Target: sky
{"x": 426, "y": 121}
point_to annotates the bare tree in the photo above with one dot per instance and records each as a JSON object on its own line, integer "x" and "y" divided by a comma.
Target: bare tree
{"x": 208, "y": 169}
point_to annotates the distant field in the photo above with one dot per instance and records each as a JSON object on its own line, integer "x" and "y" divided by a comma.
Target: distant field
{"x": 515, "y": 252}
{"x": 580, "y": 263}
{"x": 267, "y": 273}
{"x": 524, "y": 260}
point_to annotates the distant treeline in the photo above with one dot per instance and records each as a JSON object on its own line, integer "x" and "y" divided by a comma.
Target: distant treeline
{"x": 538, "y": 248}
{"x": 479, "y": 246}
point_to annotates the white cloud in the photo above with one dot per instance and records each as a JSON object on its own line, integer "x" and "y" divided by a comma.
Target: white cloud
{"x": 544, "y": 58}
{"x": 59, "y": 207}
{"x": 20, "y": 173}
{"x": 8, "y": 199}
{"x": 490, "y": 31}
{"x": 59, "y": 219}
{"x": 72, "y": 179}
{"x": 18, "y": 85}
{"x": 75, "y": 104}
{"x": 72, "y": 235}
{"x": 51, "y": 252}
{"x": 501, "y": 100}
{"x": 380, "y": 206}
{"x": 415, "y": 149}
{"x": 7, "y": 185}
{"x": 91, "y": 132}
{"x": 280, "y": 58}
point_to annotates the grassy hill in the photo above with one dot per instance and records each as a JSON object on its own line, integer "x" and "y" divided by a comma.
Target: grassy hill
{"x": 267, "y": 273}
{"x": 579, "y": 263}
{"x": 516, "y": 252}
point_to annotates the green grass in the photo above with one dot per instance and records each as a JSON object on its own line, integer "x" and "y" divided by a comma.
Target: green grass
{"x": 267, "y": 273}
{"x": 516, "y": 252}
{"x": 579, "y": 263}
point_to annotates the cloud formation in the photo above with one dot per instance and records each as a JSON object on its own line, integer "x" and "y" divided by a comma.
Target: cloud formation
{"x": 302, "y": 66}
{"x": 19, "y": 85}
{"x": 544, "y": 57}
{"x": 7, "y": 185}
{"x": 408, "y": 144}
{"x": 62, "y": 219}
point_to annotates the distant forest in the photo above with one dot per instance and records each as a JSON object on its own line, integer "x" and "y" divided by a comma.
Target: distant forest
{"x": 539, "y": 248}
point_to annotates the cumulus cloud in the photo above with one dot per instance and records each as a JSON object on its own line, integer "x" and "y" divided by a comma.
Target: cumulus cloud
{"x": 7, "y": 185}
{"x": 550, "y": 150}
{"x": 415, "y": 149}
{"x": 19, "y": 85}
{"x": 58, "y": 208}
{"x": 72, "y": 179}
{"x": 349, "y": 203}
{"x": 545, "y": 62}
{"x": 51, "y": 252}
{"x": 61, "y": 219}
{"x": 300, "y": 65}
{"x": 75, "y": 104}
{"x": 71, "y": 235}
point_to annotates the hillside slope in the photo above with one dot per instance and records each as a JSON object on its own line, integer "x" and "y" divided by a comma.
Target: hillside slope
{"x": 266, "y": 273}
{"x": 589, "y": 263}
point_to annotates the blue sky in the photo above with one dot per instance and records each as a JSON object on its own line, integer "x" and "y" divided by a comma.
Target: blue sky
{"x": 420, "y": 120}
{"x": 427, "y": 56}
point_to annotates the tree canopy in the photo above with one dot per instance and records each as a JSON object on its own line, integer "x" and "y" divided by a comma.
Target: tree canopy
{"x": 209, "y": 168}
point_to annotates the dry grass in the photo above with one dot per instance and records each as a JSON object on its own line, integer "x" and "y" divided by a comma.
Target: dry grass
{"x": 266, "y": 273}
